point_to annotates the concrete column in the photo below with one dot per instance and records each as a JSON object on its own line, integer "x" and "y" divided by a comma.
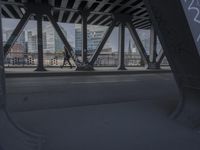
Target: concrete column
{"x": 2, "y": 73}
{"x": 153, "y": 53}
{"x": 178, "y": 42}
{"x": 84, "y": 36}
{"x": 121, "y": 46}
{"x": 40, "y": 66}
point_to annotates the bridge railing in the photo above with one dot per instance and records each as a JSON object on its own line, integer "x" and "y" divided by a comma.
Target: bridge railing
{"x": 19, "y": 59}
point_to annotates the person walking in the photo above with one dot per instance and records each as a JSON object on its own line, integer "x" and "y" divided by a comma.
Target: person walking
{"x": 66, "y": 58}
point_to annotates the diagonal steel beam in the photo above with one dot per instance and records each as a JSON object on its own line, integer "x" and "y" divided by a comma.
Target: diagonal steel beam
{"x": 160, "y": 56}
{"x": 101, "y": 45}
{"x": 16, "y": 33}
{"x": 137, "y": 41}
{"x": 62, "y": 37}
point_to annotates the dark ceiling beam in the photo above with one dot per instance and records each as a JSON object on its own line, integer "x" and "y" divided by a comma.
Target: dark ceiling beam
{"x": 139, "y": 25}
{"x": 17, "y": 9}
{"x": 8, "y": 11}
{"x": 89, "y": 4}
{"x": 61, "y": 13}
{"x": 124, "y": 6}
{"x": 112, "y": 6}
{"x": 98, "y": 8}
{"x": 75, "y": 6}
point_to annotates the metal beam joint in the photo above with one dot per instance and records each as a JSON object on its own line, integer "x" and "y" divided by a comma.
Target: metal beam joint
{"x": 121, "y": 18}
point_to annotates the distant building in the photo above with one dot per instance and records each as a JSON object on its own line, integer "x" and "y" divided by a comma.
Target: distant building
{"x": 19, "y": 47}
{"x": 20, "y": 40}
{"x": 95, "y": 35}
{"x": 51, "y": 41}
{"x": 32, "y": 42}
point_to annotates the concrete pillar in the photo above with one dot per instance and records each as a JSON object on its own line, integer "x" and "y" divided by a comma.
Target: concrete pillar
{"x": 2, "y": 73}
{"x": 40, "y": 65}
{"x": 121, "y": 46}
{"x": 153, "y": 53}
{"x": 178, "y": 42}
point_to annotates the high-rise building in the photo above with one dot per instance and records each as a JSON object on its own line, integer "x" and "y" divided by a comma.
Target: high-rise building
{"x": 20, "y": 39}
{"x": 94, "y": 34}
{"x": 51, "y": 41}
{"x": 19, "y": 47}
{"x": 32, "y": 42}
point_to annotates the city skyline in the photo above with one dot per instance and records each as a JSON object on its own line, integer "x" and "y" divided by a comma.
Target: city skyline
{"x": 9, "y": 24}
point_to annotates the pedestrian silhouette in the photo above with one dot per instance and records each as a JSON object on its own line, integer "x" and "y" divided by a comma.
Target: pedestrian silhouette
{"x": 66, "y": 58}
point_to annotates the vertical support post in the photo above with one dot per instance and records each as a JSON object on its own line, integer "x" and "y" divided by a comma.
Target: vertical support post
{"x": 153, "y": 53}
{"x": 153, "y": 44}
{"x": 40, "y": 65}
{"x": 121, "y": 46}
{"x": 84, "y": 14}
{"x": 2, "y": 72}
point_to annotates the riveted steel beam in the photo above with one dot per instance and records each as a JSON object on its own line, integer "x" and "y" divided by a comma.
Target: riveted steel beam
{"x": 101, "y": 45}
{"x": 138, "y": 42}
{"x": 16, "y": 33}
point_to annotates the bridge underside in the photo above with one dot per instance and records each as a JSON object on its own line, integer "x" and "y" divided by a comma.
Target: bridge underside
{"x": 67, "y": 11}
{"x": 165, "y": 19}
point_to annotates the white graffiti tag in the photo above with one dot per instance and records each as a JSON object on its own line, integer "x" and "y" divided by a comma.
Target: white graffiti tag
{"x": 194, "y": 5}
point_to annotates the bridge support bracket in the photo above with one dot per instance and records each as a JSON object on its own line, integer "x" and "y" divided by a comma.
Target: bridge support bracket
{"x": 152, "y": 65}
{"x": 84, "y": 67}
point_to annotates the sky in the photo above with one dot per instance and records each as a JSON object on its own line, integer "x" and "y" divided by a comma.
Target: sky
{"x": 10, "y": 24}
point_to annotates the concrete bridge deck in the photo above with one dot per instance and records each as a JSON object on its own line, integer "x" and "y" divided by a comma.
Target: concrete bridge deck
{"x": 101, "y": 112}
{"x": 56, "y": 71}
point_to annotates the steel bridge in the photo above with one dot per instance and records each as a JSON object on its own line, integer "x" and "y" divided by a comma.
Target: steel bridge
{"x": 175, "y": 23}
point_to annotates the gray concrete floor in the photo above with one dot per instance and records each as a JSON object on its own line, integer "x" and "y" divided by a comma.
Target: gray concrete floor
{"x": 72, "y": 114}
{"x": 67, "y": 69}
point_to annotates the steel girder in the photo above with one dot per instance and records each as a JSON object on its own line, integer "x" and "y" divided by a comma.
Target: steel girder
{"x": 65, "y": 10}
